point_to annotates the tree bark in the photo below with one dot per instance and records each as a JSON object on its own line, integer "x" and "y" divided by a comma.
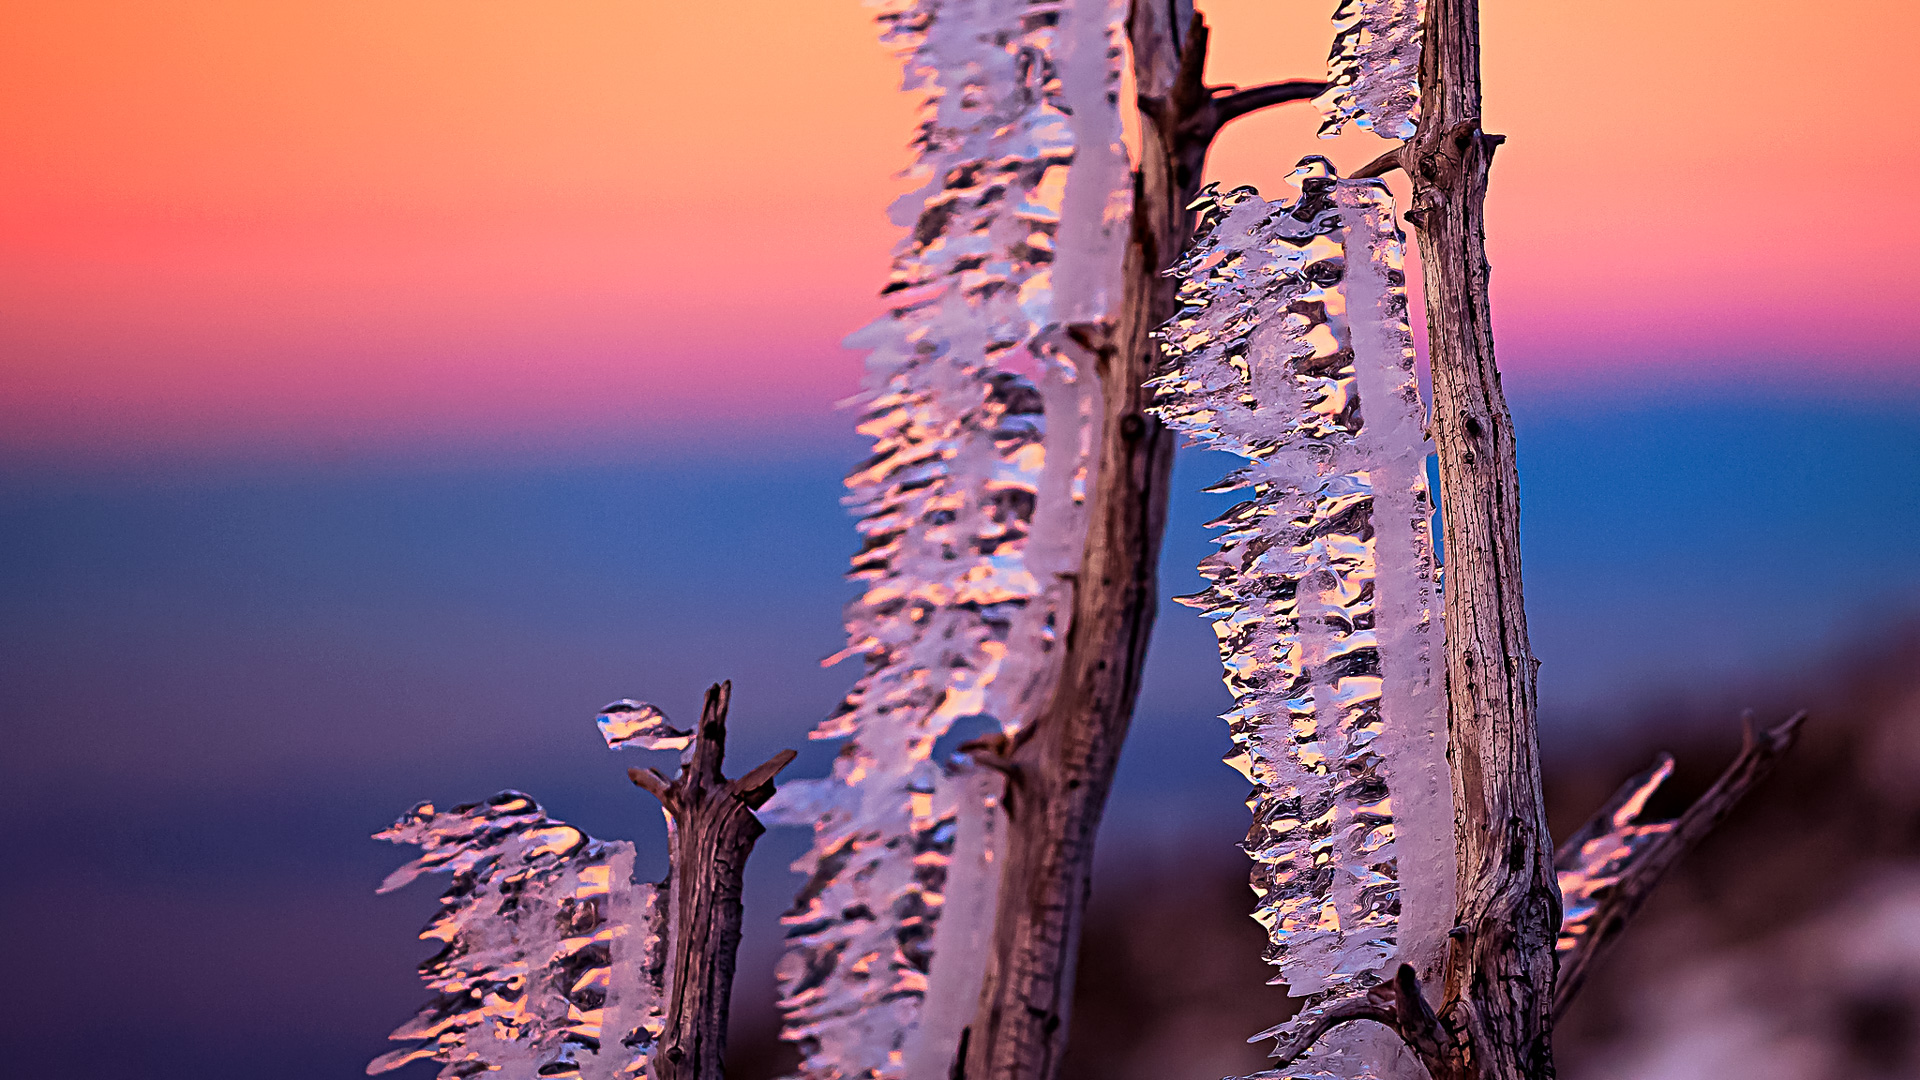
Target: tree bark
{"x": 710, "y": 832}
{"x": 1498, "y": 991}
{"x": 1061, "y": 766}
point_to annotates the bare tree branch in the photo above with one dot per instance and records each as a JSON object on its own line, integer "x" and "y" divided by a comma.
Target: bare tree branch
{"x": 1060, "y": 766}
{"x": 710, "y": 832}
{"x": 1232, "y": 103}
{"x": 1380, "y": 166}
{"x": 1760, "y": 751}
{"x": 1499, "y": 981}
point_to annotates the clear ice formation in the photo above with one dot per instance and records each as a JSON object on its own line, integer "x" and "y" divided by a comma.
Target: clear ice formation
{"x": 1359, "y": 1050}
{"x": 1373, "y": 73}
{"x": 628, "y": 723}
{"x": 1599, "y": 861}
{"x": 984, "y": 410}
{"x": 551, "y": 958}
{"x": 1292, "y": 351}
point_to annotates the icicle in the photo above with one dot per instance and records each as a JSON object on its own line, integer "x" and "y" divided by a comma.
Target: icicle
{"x": 963, "y": 936}
{"x": 636, "y": 724}
{"x": 1360, "y": 1050}
{"x": 1374, "y": 70}
{"x": 1406, "y": 600}
{"x": 551, "y": 957}
{"x": 984, "y": 415}
{"x": 1292, "y": 332}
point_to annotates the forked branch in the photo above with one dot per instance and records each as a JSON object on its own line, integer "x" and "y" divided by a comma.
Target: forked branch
{"x": 1760, "y": 751}
{"x": 710, "y": 832}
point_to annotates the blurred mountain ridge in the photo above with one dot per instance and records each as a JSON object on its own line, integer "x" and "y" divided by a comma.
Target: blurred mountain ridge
{"x": 1787, "y": 947}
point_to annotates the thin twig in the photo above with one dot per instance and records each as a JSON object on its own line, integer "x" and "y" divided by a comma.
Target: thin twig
{"x": 1231, "y": 104}
{"x": 1375, "y": 1005}
{"x": 1759, "y": 753}
{"x": 1380, "y": 166}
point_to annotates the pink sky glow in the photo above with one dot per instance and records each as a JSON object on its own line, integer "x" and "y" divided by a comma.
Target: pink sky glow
{"x": 319, "y": 228}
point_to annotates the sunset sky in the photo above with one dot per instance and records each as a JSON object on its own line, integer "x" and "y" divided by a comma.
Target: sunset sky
{"x": 387, "y": 384}
{"x": 352, "y": 228}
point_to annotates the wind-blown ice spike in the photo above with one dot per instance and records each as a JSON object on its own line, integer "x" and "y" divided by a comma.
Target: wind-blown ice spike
{"x": 1292, "y": 351}
{"x": 1598, "y": 860}
{"x": 1373, "y": 73}
{"x": 551, "y": 959}
{"x": 971, "y": 508}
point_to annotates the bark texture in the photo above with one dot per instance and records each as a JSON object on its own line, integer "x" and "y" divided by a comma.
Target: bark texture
{"x": 710, "y": 832}
{"x": 1060, "y": 767}
{"x": 1498, "y": 993}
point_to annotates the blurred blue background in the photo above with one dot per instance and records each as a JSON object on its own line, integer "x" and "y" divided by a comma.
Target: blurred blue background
{"x": 215, "y": 685}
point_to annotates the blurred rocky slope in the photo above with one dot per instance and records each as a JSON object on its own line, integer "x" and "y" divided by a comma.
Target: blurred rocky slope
{"x": 1786, "y": 948}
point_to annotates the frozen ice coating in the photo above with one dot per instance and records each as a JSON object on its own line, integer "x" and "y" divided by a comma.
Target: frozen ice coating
{"x": 551, "y": 958}
{"x": 1599, "y": 861}
{"x": 1292, "y": 351}
{"x": 983, "y": 410}
{"x": 1374, "y": 70}
{"x": 1361, "y": 1050}
{"x": 640, "y": 725}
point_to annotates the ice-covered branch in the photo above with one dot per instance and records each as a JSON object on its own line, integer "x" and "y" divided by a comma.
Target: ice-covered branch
{"x": 982, "y": 400}
{"x": 1292, "y": 351}
{"x": 551, "y": 956}
{"x": 1608, "y": 868}
{"x": 554, "y": 961}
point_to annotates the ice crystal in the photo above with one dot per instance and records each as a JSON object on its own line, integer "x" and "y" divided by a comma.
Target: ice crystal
{"x": 1373, "y": 74}
{"x": 1359, "y": 1050}
{"x": 627, "y": 723}
{"x": 551, "y": 957}
{"x": 1292, "y": 351}
{"x": 983, "y": 407}
{"x": 1597, "y": 861}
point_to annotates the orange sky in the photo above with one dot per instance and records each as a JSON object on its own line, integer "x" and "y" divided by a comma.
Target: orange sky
{"x": 340, "y": 226}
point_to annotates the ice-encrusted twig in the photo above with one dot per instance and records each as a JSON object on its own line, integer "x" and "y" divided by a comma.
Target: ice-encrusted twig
{"x": 983, "y": 405}
{"x": 555, "y": 962}
{"x": 1608, "y": 868}
{"x": 711, "y": 830}
{"x": 551, "y": 956}
{"x": 1294, "y": 333}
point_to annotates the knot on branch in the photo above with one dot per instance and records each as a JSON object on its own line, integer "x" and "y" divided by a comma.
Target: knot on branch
{"x": 1438, "y": 163}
